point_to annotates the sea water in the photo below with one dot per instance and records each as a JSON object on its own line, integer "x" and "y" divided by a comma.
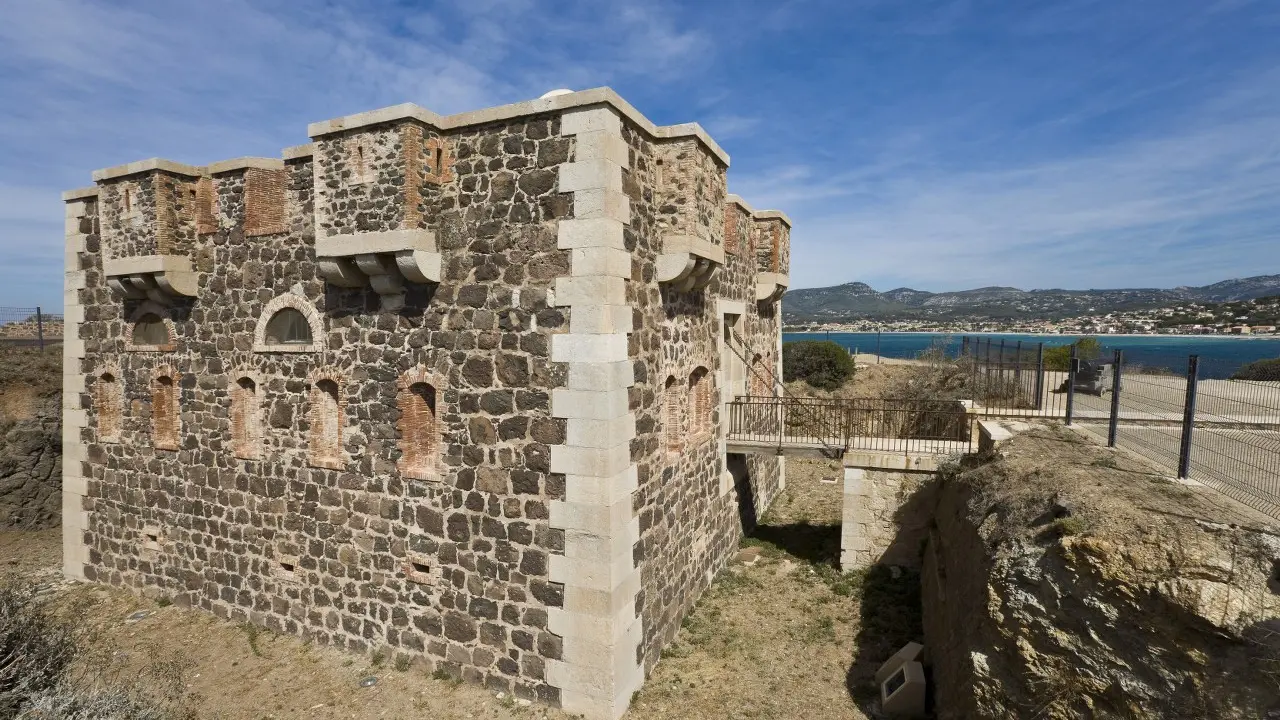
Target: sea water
{"x": 1220, "y": 356}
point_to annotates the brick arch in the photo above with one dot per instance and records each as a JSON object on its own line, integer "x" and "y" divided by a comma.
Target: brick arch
{"x": 302, "y": 305}
{"x": 672, "y": 414}
{"x": 700, "y": 403}
{"x": 419, "y": 398}
{"x": 166, "y": 408}
{"x": 108, "y": 403}
{"x": 326, "y": 416}
{"x": 246, "y": 413}
{"x": 150, "y": 308}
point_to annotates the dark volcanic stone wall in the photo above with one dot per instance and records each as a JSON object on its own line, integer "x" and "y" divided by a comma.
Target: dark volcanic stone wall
{"x": 321, "y": 552}
{"x": 689, "y": 527}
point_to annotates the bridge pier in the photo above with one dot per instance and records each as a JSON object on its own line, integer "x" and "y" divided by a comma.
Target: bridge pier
{"x": 888, "y": 503}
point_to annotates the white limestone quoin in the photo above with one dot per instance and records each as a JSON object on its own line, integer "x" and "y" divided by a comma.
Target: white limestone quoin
{"x": 75, "y": 554}
{"x": 598, "y": 670}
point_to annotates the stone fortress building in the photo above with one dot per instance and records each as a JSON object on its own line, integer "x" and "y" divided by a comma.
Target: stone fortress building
{"x": 444, "y": 387}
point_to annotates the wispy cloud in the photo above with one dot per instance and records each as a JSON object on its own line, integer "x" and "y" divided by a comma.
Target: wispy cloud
{"x": 89, "y": 84}
{"x": 936, "y": 143}
{"x": 1186, "y": 205}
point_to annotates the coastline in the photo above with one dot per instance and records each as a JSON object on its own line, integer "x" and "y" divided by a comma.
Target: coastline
{"x": 1032, "y": 334}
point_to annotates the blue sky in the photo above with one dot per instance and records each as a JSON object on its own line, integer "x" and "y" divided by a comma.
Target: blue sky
{"x": 940, "y": 144}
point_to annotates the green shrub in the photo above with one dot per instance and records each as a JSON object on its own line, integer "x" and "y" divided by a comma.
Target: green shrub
{"x": 1260, "y": 370}
{"x": 820, "y": 363}
{"x": 1059, "y": 358}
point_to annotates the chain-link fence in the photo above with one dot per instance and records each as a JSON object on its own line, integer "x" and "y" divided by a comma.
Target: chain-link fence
{"x": 29, "y": 326}
{"x": 1223, "y": 433}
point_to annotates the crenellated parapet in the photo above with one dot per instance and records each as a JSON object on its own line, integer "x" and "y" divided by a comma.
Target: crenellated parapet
{"x": 380, "y": 180}
{"x": 149, "y": 227}
{"x": 768, "y": 233}
{"x": 690, "y": 192}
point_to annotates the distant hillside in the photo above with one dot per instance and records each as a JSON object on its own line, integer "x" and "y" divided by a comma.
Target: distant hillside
{"x": 858, "y": 300}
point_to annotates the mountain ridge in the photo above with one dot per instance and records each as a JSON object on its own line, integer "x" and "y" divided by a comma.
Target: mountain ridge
{"x": 858, "y": 300}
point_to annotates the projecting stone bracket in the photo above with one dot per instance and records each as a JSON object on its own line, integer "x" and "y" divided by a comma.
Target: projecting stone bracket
{"x": 159, "y": 278}
{"x": 688, "y": 262}
{"x": 383, "y": 261}
{"x": 770, "y": 286}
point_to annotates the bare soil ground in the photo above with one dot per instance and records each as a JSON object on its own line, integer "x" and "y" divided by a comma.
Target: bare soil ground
{"x": 26, "y": 376}
{"x": 785, "y": 637}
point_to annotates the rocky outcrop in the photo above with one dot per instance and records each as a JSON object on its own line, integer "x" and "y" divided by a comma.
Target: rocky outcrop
{"x": 1060, "y": 581}
{"x": 30, "y": 439}
{"x": 31, "y": 472}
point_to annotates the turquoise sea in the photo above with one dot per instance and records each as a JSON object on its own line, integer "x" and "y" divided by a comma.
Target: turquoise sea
{"x": 1219, "y": 356}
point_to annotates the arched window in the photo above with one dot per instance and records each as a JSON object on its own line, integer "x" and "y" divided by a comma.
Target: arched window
{"x": 419, "y": 431}
{"x": 150, "y": 330}
{"x": 700, "y": 403}
{"x": 246, "y": 439}
{"x": 325, "y": 442}
{"x": 288, "y": 327}
{"x": 289, "y": 323}
{"x": 107, "y": 396}
{"x": 672, "y": 429}
{"x": 165, "y": 420}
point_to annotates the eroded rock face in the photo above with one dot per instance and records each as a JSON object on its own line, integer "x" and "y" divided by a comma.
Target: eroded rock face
{"x": 1056, "y": 588}
{"x": 31, "y": 469}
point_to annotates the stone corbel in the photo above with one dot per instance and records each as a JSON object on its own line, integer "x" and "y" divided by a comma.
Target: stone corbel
{"x": 383, "y": 261}
{"x": 770, "y": 286}
{"x": 159, "y": 278}
{"x": 688, "y": 262}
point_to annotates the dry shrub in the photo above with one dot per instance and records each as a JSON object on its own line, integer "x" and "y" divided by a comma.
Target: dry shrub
{"x": 52, "y": 669}
{"x": 36, "y": 650}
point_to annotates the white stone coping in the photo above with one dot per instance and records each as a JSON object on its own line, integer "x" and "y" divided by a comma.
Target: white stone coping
{"x": 773, "y": 215}
{"x": 244, "y": 163}
{"x": 80, "y": 194}
{"x": 298, "y": 152}
{"x": 693, "y": 245}
{"x": 145, "y": 264}
{"x": 758, "y": 214}
{"x": 143, "y": 166}
{"x": 583, "y": 98}
{"x": 375, "y": 242}
{"x": 771, "y": 284}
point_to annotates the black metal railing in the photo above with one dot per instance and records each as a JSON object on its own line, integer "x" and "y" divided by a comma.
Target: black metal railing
{"x": 1010, "y": 377}
{"x": 861, "y": 423}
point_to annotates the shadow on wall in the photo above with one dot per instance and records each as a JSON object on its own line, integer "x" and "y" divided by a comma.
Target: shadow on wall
{"x": 890, "y": 611}
{"x": 736, "y": 463}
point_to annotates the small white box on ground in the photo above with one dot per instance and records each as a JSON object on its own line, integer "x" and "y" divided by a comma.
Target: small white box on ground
{"x": 902, "y": 693}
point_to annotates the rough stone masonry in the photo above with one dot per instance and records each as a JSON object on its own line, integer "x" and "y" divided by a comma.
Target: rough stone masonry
{"x": 446, "y": 387}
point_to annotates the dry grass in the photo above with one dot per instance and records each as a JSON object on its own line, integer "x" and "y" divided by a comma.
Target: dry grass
{"x": 785, "y": 638}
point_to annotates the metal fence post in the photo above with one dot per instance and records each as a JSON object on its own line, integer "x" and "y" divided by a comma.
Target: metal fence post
{"x": 1040, "y": 376}
{"x": 1073, "y": 367}
{"x": 1188, "y": 417}
{"x": 40, "y": 327}
{"x": 1115, "y": 399}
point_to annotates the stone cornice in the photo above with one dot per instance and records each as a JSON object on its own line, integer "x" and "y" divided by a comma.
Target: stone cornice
{"x": 581, "y": 99}
{"x": 80, "y": 194}
{"x": 759, "y": 214}
{"x": 244, "y": 163}
{"x": 143, "y": 166}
